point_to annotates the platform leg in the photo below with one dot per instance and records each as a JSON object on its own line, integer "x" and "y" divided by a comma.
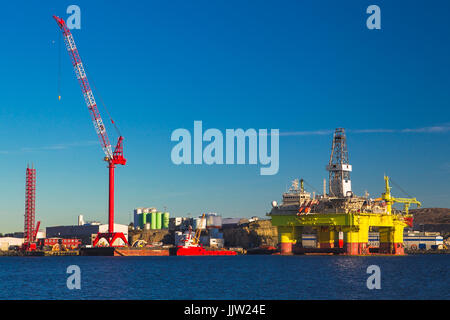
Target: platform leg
{"x": 287, "y": 238}
{"x": 326, "y": 237}
{"x": 356, "y": 240}
{"x": 391, "y": 240}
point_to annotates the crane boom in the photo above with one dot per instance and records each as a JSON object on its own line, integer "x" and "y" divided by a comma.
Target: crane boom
{"x": 85, "y": 88}
{"x": 196, "y": 239}
{"x": 36, "y": 230}
{"x": 390, "y": 200}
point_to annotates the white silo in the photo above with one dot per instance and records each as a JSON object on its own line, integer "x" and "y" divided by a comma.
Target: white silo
{"x": 136, "y": 218}
{"x": 80, "y": 220}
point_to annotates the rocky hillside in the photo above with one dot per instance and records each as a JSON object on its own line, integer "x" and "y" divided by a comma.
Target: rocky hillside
{"x": 151, "y": 236}
{"x": 251, "y": 235}
{"x": 432, "y": 219}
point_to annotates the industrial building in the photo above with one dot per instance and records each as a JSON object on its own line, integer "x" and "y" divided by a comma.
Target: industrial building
{"x": 85, "y": 232}
{"x": 423, "y": 241}
{"x": 7, "y": 242}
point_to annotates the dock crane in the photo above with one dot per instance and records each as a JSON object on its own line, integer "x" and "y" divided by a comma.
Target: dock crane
{"x": 198, "y": 231}
{"x": 30, "y": 241}
{"x": 112, "y": 158}
{"x": 390, "y": 200}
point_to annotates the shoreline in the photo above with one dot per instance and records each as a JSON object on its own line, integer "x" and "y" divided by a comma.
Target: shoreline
{"x": 409, "y": 252}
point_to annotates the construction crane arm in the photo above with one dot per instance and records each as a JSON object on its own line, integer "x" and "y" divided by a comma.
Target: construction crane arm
{"x": 390, "y": 200}
{"x": 36, "y": 230}
{"x": 408, "y": 200}
{"x": 85, "y": 88}
{"x": 198, "y": 231}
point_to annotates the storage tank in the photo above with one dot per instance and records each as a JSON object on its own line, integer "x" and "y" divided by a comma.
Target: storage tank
{"x": 213, "y": 221}
{"x": 141, "y": 220}
{"x": 144, "y": 219}
{"x": 209, "y": 219}
{"x": 149, "y": 218}
{"x": 137, "y": 217}
{"x": 138, "y": 210}
{"x": 158, "y": 220}
{"x": 199, "y": 223}
{"x": 165, "y": 220}
{"x": 153, "y": 220}
{"x": 217, "y": 222}
{"x": 80, "y": 220}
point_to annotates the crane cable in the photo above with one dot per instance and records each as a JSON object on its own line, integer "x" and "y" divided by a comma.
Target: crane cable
{"x": 311, "y": 186}
{"x": 400, "y": 188}
{"x": 101, "y": 100}
{"x": 59, "y": 68}
{"x": 91, "y": 80}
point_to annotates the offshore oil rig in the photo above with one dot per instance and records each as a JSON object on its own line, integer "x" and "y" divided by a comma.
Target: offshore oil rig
{"x": 341, "y": 219}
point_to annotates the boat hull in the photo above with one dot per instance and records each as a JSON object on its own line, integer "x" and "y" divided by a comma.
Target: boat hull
{"x": 200, "y": 251}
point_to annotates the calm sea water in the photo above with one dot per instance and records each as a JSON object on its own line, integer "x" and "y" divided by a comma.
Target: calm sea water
{"x": 240, "y": 277}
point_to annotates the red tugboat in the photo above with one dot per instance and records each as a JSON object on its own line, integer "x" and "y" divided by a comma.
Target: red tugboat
{"x": 190, "y": 246}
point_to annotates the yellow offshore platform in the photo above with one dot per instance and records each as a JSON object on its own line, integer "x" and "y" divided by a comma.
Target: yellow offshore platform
{"x": 342, "y": 220}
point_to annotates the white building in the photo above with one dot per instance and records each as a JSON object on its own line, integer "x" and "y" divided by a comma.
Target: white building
{"x": 423, "y": 241}
{"x": 6, "y": 242}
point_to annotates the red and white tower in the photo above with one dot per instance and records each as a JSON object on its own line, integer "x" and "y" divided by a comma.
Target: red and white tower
{"x": 30, "y": 231}
{"x": 30, "y": 204}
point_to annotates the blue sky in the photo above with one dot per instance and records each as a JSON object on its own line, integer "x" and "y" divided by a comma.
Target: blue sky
{"x": 299, "y": 66}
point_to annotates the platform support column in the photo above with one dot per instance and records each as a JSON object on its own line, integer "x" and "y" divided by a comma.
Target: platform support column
{"x": 391, "y": 240}
{"x": 386, "y": 240}
{"x": 326, "y": 237}
{"x": 298, "y": 244}
{"x": 356, "y": 240}
{"x": 340, "y": 239}
{"x": 287, "y": 238}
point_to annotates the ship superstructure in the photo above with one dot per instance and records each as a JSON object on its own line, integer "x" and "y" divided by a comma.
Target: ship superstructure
{"x": 189, "y": 245}
{"x": 296, "y": 196}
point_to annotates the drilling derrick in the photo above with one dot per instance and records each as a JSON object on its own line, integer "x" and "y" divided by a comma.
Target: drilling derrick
{"x": 339, "y": 168}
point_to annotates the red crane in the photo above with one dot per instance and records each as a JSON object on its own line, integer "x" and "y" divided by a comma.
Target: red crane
{"x": 113, "y": 158}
